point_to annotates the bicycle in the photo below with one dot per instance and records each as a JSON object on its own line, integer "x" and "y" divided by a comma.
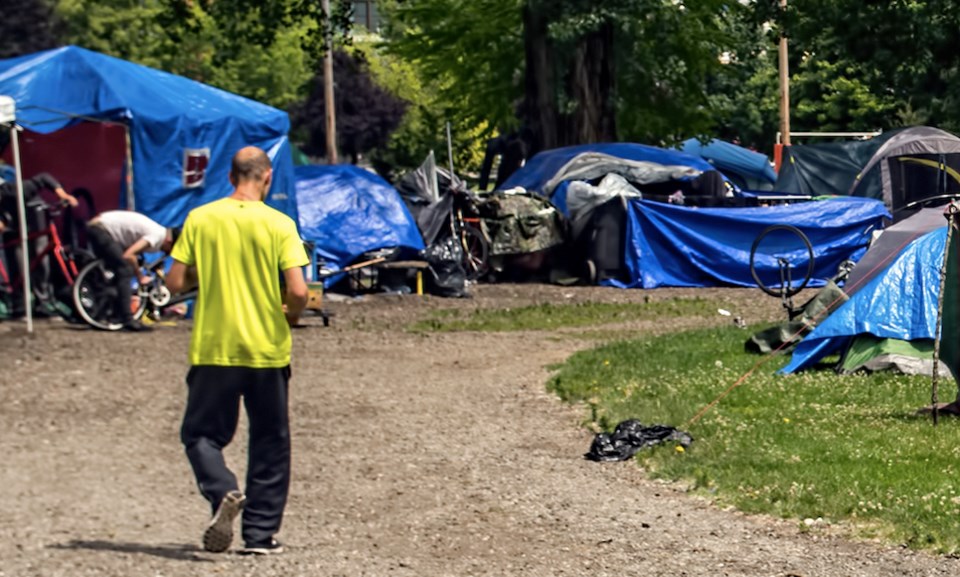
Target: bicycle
{"x": 95, "y": 294}
{"x": 469, "y": 231}
{"x": 52, "y": 291}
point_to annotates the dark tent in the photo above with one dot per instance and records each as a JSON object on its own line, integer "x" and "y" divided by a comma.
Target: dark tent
{"x": 913, "y": 167}
{"x": 829, "y": 168}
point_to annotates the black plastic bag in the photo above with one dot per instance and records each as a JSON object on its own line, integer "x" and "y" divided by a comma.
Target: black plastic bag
{"x": 629, "y": 437}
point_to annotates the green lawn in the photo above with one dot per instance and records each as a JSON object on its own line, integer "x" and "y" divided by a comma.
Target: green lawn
{"x": 817, "y": 445}
{"x": 846, "y": 449}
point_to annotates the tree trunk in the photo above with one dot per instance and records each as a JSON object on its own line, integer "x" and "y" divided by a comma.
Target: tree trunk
{"x": 590, "y": 85}
{"x": 587, "y": 72}
{"x": 539, "y": 111}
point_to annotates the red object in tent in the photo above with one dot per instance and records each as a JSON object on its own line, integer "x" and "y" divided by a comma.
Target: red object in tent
{"x": 87, "y": 155}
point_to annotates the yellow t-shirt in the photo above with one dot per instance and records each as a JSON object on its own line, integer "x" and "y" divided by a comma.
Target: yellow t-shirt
{"x": 239, "y": 249}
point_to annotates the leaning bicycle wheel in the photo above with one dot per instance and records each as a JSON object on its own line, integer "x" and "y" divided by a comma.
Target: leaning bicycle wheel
{"x": 476, "y": 251}
{"x": 95, "y": 297}
{"x": 778, "y": 254}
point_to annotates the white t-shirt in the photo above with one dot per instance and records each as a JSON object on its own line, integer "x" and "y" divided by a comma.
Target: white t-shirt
{"x": 127, "y": 227}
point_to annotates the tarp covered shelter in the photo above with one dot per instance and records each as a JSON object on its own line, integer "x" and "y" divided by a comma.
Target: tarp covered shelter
{"x": 346, "y": 211}
{"x": 748, "y": 169}
{"x": 890, "y": 318}
{"x": 180, "y": 134}
{"x": 668, "y": 245}
{"x": 828, "y": 168}
{"x": 638, "y": 163}
{"x": 915, "y": 164}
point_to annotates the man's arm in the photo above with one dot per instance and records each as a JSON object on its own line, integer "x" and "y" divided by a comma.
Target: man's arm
{"x": 130, "y": 255}
{"x": 295, "y": 300}
{"x": 176, "y": 279}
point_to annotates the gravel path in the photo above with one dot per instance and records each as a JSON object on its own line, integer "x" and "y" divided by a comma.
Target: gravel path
{"x": 414, "y": 455}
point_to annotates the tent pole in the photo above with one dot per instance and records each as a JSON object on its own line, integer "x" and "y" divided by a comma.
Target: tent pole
{"x": 129, "y": 160}
{"x": 935, "y": 378}
{"x": 450, "y": 151}
{"x": 24, "y": 245}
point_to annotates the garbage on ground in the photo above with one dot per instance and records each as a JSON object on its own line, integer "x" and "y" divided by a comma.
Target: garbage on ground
{"x": 629, "y": 437}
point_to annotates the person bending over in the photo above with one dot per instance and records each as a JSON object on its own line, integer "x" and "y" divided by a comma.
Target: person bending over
{"x": 119, "y": 237}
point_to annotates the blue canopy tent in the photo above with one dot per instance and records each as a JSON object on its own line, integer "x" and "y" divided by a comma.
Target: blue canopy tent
{"x": 678, "y": 246}
{"x": 748, "y": 169}
{"x": 898, "y": 304}
{"x": 182, "y": 134}
{"x": 346, "y": 211}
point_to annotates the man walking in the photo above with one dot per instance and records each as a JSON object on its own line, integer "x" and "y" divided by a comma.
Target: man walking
{"x": 240, "y": 349}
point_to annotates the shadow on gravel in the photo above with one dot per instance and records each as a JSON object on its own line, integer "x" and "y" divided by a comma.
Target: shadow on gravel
{"x": 174, "y": 551}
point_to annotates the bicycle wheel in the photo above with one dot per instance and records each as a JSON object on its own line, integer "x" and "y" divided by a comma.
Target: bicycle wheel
{"x": 476, "y": 249}
{"x": 95, "y": 296}
{"x": 778, "y": 251}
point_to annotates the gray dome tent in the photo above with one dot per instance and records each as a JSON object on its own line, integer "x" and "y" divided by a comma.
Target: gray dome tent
{"x": 918, "y": 166}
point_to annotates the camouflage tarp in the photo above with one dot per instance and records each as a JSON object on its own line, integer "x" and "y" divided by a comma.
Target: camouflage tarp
{"x": 519, "y": 223}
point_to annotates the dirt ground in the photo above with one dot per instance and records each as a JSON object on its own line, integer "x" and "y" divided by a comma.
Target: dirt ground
{"x": 414, "y": 455}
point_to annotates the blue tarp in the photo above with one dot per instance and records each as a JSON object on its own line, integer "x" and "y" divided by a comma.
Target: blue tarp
{"x": 900, "y": 303}
{"x": 167, "y": 115}
{"x": 670, "y": 245}
{"x": 733, "y": 160}
{"x": 545, "y": 165}
{"x": 347, "y": 211}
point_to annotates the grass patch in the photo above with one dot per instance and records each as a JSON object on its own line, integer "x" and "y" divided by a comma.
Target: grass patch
{"x": 551, "y": 316}
{"x": 844, "y": 448}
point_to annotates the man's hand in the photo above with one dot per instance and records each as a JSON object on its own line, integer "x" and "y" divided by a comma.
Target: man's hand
{"x": 67, "y": 197}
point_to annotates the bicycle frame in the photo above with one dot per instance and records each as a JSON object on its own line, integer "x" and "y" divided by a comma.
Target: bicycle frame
{"x": 67, "y": 266}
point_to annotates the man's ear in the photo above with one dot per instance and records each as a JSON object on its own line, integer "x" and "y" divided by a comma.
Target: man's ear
{"x": 267, "y": 181}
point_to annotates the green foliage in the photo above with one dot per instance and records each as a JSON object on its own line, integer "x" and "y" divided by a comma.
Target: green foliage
{"x": 470, "y": 51}
{"x": 549, "y": 316}
{"x": 194, "y": 44}
{"x": 845, "y": 449}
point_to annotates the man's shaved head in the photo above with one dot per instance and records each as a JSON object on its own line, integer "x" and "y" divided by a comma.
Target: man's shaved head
{"x": 250, "y": 164}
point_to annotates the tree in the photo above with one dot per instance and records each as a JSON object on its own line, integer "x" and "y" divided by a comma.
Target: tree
{"x": 570, "y": 71}
{"x": 27, "y": 26}
{"x": 366, "y": 113}
{"x": 192, "y": 43}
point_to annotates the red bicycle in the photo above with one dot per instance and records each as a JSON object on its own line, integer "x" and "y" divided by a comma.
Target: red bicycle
{"x": 53, "y": 265}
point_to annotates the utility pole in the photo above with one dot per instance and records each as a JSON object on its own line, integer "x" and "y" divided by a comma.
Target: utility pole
{"x": 330, "y": 115}
{"x": 784, "y": 79}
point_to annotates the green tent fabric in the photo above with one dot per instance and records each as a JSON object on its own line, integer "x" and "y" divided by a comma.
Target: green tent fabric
{"x": 871, "y": 353}
{"x": 299, "y": 157}
{"x": 950, "y": 328}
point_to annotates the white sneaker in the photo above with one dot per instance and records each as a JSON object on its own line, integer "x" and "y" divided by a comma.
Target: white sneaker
{"x": 219, "y": 533}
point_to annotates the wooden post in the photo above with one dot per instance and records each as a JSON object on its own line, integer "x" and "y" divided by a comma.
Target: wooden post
{"x": 784, "y": 80}
{"x": 330, "y": 114}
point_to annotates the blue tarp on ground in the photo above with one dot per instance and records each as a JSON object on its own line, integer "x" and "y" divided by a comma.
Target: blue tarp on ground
{"x": 670, "y": 245}
{"x": 900, "y": 303}
{"x": 540, "y": 169}
{"x": 347, "y": 211}
{"x": 167, "y": 115}
{"x": 734, "y": 161}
